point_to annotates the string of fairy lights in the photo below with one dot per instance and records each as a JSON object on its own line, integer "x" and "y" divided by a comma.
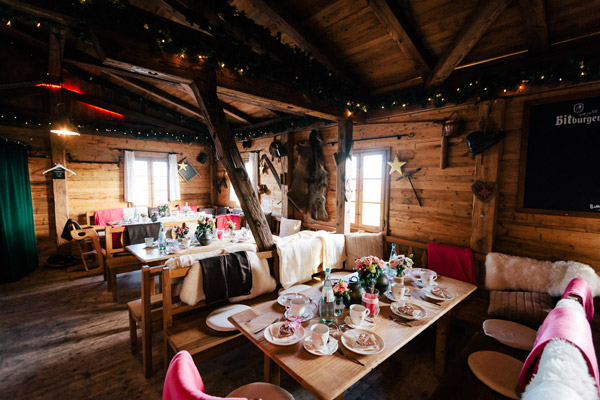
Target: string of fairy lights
{"x": 290, "y": 65}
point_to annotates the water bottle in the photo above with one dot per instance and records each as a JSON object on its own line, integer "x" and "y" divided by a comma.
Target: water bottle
{"x": 162, "y": 240}
{"x": 393, "y": 253}
{"x": 327, "y": 303}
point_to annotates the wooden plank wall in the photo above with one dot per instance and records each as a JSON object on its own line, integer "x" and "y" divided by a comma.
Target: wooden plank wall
{"x": 97, "y": 185}
{"x": 445, "y": 216}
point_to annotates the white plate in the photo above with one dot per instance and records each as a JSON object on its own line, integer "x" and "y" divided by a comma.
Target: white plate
{"x": 284, "y": 298}
{"x": 365, "y": 325}
{"x": 510, "y": 333}
{"x": 281, "y": 342}
{"x": 416, "y": 273}
{"x": 450, "y": 295}
{"x": 332, "y": 346}
{"x": 389, "y": 296}
{"x": 350, "y": 344}
{"x": 307, "y": 316}
{"x": 421, "y": 284}
{"x": 420, "y": 314}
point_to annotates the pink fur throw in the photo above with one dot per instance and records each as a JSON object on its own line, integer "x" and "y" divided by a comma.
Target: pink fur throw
{"x": 504, "y": 272}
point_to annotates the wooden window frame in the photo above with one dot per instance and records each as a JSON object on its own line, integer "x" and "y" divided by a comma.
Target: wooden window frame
{"x": 149, "y": 160}
{"x": 385, "y": 181}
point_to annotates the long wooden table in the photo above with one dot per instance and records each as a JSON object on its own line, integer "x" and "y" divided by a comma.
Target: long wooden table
{"x": 151, "y": 256}
{"x": 327, "y": 377}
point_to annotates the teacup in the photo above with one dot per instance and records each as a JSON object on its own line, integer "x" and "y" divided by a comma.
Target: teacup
{"x": 399, "y": 291}
{"x": 428, "y": 277}
{"x": 149, "y": 241}
{"x": 297, "y": 307}
{"x": 358, "y": 313}
{"x": 319, "y": 334}
{"x": 187, "y": 242}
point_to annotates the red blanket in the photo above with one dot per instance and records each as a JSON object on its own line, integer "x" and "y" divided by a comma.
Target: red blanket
{"x": 579, "y": 287}
{"x": 183, "y": 381}
{"x": 103, "y": 217}
{"x": 452, "y": 262}
{"x": 221, "y": 221}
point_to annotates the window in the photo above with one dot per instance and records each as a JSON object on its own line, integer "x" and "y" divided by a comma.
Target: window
{"x": 250, "y": 168}
{"x": 367, "y": 182}
{"x": 151, "y": 181}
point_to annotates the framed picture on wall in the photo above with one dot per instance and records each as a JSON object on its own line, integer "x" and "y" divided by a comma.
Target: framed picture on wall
{"x": 560, "y": 156}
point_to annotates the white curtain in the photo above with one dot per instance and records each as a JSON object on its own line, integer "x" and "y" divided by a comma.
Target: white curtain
{"x": 129, "y": 177}
{"x": 174, "y": 192}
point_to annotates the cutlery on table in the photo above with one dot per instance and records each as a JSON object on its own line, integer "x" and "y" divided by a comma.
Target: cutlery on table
{"x": 264, "y": 327}
{"x": 400, "y": 322}
{"x": 354, "y": 360}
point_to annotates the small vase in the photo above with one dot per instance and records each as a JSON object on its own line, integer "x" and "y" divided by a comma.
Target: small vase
{"x": 339, "y": 307}
{"x": 356, "y": 291}
{"x": 204, "y": 237}
{"x": 382, "y": 284}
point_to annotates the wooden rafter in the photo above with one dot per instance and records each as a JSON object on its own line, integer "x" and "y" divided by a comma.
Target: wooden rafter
{"x": 288, "y": 25}
{"x": 206, "y": 94}
{"x": 237, "y": 114}
{"x": 167, "y": 11}
{"x": 483, "y": 17}
{"x": 535, "y": 25}
{"x": 396, "y": 24}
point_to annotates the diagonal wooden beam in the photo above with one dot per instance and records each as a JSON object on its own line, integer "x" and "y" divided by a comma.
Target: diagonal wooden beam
{"x": 167, "y": 11}
{"x": 483, "y": 17}
{"x": 205, "y": 91}
{"x": 535, "y": 25}
{"x": 395, "y": 23}
{"x": 287, "y": 24}
{"x": 237, "y": 114}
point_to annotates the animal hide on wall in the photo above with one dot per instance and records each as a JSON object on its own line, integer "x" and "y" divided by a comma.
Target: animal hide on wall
{"x": 308, "y": 190}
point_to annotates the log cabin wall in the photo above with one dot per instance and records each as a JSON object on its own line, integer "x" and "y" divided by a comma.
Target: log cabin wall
{"x": 99, "y": 181}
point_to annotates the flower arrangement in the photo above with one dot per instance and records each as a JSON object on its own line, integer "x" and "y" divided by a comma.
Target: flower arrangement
{"x": 205, "y": 224}
{"x": 400, "y": 263}
{"x": 142, "y": 215}
{"x": 181, "y": 232}
{"x": 163, "y": 209}
{"x": 340, "y": 290}
{"x": 369, "y": 269}
{"x": 231, "y": 225}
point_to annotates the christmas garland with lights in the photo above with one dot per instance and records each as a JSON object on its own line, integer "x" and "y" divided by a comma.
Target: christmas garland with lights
{"x": 292, "y": 66}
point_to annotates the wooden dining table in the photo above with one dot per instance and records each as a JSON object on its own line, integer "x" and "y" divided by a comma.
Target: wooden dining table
{"x": 327, "y": 377}
{"x": 152, "y": 256}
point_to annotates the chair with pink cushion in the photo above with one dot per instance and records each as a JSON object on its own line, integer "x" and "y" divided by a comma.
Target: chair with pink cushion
{"x": 183, "y": 382}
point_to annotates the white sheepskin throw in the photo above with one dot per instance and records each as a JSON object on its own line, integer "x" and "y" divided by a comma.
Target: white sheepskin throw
{"x": 562, "y": 374}
{"x": 504, "y": 272}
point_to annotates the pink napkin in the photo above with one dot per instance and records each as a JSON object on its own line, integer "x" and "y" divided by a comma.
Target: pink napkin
{"x": 103, "y": 217}
{"x": 453, "y": 262}
{"x": 580, "y": 287}
{"x": 183, "y": 381}
{"x": 221, "y": 221}
{"x": 563, "y": 323}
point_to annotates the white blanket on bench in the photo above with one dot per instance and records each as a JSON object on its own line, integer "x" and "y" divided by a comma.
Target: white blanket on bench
{"x": 505, "y": 272}
{"x": 192, "y": 290}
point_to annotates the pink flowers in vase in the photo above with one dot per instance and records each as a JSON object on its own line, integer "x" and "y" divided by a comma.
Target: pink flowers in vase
{"x": 181, "y": 232}
{"x": 400, "y": 263}
{"x": 340, "y": 290}
{"x": 231, "y": 226}
{"x": 369, "y": 268}
{"x": 206, "y": 223}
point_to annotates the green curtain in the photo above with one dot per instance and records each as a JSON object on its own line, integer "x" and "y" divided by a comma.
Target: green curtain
{"x": 18, "y": 248}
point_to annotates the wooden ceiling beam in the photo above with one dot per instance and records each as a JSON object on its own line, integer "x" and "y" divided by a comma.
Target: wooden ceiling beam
{"x": 482, "y": 18}
{"x": 165, "y": 10}
{"x": 535, "y": 25}
{"x": 237, "y": 114}
{"x": 396, "y": 24}
{"x": 42, "y": 13}
{"x": 289, "y": 26}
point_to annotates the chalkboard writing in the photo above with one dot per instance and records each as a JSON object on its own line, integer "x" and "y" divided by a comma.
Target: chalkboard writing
{"x": 58, "y": 173}
{"x": 560, "y": 156}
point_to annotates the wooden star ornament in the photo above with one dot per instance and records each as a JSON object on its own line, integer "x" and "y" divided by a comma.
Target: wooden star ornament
{"x": 182, "y": 165}
{"x": 396, "y": 165}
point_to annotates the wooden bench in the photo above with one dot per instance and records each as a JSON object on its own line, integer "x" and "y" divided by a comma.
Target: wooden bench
{"x": 189, "y": 331}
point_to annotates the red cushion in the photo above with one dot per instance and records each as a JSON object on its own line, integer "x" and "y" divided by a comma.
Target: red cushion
{"x": 453, "y": 262}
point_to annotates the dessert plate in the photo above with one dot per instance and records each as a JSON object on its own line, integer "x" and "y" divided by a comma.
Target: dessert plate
{"x": 449, "y": 295}
{"x": 349, "y": 341}
{"x": 397, "y": 309}
{"x": 271, "y": 335}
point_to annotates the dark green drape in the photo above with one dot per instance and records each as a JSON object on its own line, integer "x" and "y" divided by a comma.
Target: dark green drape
{"x": 18, "y": 250}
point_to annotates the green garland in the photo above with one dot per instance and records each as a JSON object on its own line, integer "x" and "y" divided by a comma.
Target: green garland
{"x": 291, "y": 65}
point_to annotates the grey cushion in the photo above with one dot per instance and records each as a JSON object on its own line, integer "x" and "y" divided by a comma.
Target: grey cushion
{"x": 528, "y": 308}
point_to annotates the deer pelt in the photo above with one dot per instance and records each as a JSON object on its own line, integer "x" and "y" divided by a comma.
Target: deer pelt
{"x": 505, "y": 272}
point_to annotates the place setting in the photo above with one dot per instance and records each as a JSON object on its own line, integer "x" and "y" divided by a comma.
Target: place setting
{"x": 320, "y": 342}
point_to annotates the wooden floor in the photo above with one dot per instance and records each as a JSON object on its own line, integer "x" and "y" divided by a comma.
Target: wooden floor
{"x": 63, "y": 339}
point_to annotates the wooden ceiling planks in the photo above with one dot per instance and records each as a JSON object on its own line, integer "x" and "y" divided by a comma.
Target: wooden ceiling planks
{"x": 569, "y": 19}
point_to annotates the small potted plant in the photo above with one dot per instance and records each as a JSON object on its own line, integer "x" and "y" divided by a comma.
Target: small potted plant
{"x": 204, "y": 229}
{"x": 342, "y": 297}
{"x": 400, "y": 264}
{"x": 163, "y": 210}
{"x": 369, "y": 268}
{"x": 231, "y": 226}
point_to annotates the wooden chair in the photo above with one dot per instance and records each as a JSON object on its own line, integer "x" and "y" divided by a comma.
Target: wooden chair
{"x": 146, "y": 314}
{"x": 118, "y": 259}
{"x": 190, "y": 332}
{"x": 83, "y": 237}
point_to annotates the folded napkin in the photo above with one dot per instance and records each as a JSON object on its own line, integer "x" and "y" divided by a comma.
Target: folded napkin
{"x": 325, "y": 350}
{"x": 353, "y": 341}
{"x": 579, "y": 287}
{"x": 273, "y": 330}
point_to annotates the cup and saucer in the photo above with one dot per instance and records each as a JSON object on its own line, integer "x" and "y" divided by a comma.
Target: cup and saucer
{"x": 405, "y": 297}
{"x": 357, "y": 318}
{"x": 320, "y": 342}
{"x": 298, "y": 307}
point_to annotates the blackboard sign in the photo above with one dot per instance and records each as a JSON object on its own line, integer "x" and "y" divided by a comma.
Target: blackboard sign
{"x": 560, "y": 156}
{"x": 186, "y": 170}
{"x": 58, "y": 173}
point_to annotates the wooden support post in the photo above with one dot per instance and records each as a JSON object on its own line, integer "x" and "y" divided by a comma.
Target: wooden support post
{"x": 212, "y": 177}
{"x": 272, "y": 371}
{"x": 205, "y": 92}
{"x": 487, "y": 169}
{"x": 342, "y": 218}
{"x": 287, "y": 164}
